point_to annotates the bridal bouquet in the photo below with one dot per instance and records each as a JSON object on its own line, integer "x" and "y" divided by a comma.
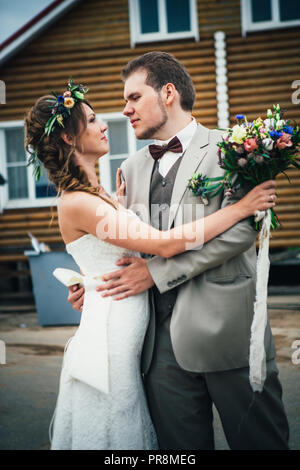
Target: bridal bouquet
{"x": 251, "y": 153}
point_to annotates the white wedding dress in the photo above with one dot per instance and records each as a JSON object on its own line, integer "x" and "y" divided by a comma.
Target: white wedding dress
{"x": 113, "y": 415}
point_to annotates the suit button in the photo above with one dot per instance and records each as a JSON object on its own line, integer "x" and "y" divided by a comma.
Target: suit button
{"x": 170, "y": 307}
{"x": 170, "y": 283}
{"x": 163, "y": 183}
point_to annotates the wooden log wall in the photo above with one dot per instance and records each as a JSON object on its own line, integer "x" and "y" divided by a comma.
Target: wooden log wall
{"x": 92, "y": 43}
{"x": 15, "y": 226}
{"x": 261, "y": 71}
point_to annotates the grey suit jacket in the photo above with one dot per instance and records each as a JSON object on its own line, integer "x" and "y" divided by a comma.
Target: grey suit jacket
{"x": 212, "y": 316}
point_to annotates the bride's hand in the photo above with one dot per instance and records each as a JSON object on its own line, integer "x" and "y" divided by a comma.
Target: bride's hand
{"x": 261, "y": 198}
{"x": 120, "y": 185}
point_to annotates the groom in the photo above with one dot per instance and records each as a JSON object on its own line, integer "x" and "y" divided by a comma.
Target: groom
{"x": 196, "y": 350}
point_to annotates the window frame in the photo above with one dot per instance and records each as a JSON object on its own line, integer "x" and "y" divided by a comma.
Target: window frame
{"x": 137, "y": 37}
{"x": 22, "y": 203}
{"x": 249, "y": 26}
{"x": 104, "y": 161}
{"x": 103, "y": 165}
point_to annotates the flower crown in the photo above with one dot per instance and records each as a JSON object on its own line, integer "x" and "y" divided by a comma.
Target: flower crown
{"x": 61, "y": 106}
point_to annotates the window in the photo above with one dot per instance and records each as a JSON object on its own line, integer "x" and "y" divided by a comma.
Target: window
{"x": 161, "y": 20}
{"x": 259, "y": 15}
{"x": 21, "y": 189}
{"x": 122, "y": 143}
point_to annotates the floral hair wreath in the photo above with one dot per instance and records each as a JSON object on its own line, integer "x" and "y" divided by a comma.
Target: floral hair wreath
{"x": 61, "y": 106}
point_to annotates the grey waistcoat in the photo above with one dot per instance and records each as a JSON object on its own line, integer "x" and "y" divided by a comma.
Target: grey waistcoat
{"x": 160, "y": 198}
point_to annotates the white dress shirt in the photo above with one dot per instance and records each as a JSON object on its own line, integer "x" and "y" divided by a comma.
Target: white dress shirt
{"x": 169, "y": 158}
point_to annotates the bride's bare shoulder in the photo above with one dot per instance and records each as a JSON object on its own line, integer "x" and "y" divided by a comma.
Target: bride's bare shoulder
{"x": 72, "y": 197}
{"x": 77, "y": 200}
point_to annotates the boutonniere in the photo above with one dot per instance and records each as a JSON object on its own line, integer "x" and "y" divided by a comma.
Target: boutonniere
{"x": 205, "y": 187}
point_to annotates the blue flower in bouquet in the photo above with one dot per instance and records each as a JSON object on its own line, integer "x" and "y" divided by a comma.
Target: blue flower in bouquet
{"x": 275, "y": 134}
{"x": 288, "y": 129}
{"x": 239, "y": 117}
{"x": 60, "y": 99}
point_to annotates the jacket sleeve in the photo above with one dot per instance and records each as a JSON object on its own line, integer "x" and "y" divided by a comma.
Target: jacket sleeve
{"x": 171, "y": 272}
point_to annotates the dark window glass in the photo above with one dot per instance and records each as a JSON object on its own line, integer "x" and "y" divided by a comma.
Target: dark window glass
{"x": 118, "y": 141}
{"x": 178, "y": 15}
{"x": 15, "y": 145}
{"x": 16, "y": 161}
{"x": 289, "y": 10}
{"x": 43, "y": 187}
{"x": 17, "y": 182}
{"x": 149, "y": 16}
{"x": 115, "y": 163}
{"x": 261, "y": 10}
{"x": 141, "y": 143}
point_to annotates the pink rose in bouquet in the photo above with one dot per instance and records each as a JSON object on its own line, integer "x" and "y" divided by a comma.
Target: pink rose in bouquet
{"x": 284, "y": 141}
{"x": 250, "y": 144}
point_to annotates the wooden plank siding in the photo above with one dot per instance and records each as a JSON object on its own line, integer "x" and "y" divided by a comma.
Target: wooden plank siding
{"x": 261, "y": 70}
{"x": 92, "y": 43}
{"x": 15, "y": 226}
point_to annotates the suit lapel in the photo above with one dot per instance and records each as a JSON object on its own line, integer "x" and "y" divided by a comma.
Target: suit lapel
{"x": 192, "y": 159}
{"x": 144, "y": 197}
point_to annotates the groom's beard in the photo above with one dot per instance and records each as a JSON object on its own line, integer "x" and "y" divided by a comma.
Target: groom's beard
{"x": 150, "y": 133}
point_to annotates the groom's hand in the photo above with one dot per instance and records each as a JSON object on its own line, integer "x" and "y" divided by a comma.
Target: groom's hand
{"x": 76, "y": 297}
{"x": 133, "y": 279}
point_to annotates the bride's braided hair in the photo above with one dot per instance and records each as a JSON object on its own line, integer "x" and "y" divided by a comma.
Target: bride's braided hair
{"x": 55, "y": 154}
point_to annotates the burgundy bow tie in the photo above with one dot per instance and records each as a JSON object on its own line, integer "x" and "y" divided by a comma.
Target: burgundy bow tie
{"x": 157, "y": 151}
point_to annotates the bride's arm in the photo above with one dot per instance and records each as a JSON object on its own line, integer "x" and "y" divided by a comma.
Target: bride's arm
{"x": 90, "y": 214}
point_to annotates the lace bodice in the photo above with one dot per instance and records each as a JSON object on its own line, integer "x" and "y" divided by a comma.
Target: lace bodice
{"x": 95, "y": 256}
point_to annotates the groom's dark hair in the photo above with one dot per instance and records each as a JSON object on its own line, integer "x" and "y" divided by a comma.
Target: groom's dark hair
{"x": 163, "y": 68}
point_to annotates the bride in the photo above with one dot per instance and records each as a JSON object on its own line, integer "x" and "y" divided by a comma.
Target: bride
{"x": 101, "y": 402}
